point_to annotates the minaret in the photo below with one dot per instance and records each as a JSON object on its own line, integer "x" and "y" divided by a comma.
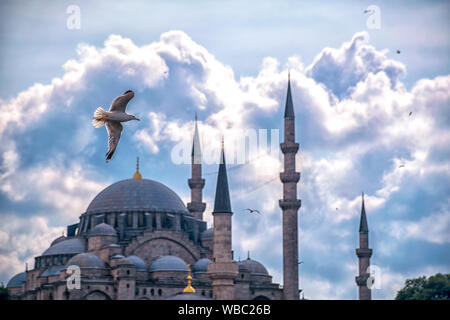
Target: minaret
{"x": 290, "y": 204}
{"x": 364, "y": 254}
{"x": 222, "y": 270}
{"x": 196, "y": 183}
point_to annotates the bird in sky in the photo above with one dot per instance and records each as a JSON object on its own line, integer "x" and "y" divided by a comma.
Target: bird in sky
{"x": 300, "y": 262}
{"x": 367, "y": 11}
{"x": 112, "y": 119}
{"x": 398, "y": 51}
{"x": 410, "y": 113}
{"x": 401, "y": 166}
{"x": 252, "y": 210}
{"x": 337, "y": 208}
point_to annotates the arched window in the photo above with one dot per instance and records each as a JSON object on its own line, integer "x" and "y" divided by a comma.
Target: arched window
{"x": 128, "y": 272}
{"x": 159, "y": 292}
{"x": 152, "y": 292}
{"x": 144, "y": 291}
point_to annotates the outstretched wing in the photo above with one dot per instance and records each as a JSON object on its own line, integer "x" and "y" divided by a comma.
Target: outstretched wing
{"x": 120, "y": 103}
{"x": 114, "y": 129}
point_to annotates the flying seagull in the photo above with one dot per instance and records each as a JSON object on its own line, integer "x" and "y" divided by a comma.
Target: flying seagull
{"x": 251, "y": 210}
{"x": 367, "y": 11}
{"x": 410, "y": 113}
{"x": 398, "y": 51}
{"x": 112, "y": 119}
{"x": 401, "y": 166}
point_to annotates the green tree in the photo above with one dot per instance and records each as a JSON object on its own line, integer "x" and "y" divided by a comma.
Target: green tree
{"x": 435, "y": 287}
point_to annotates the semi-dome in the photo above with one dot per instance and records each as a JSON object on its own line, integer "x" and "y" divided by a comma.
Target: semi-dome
{"x": 17, "y": 280}
{"x": 103, "y": 229}
{"x": 201, "y": 265}
{"x": 58, "y": 240}
{"x": 69, "y": 246}
{"x": 252, "y": 266}
{"x": 137, "y": 194}
{"x": 86, "y": 260}
{"x": 138, "y": 263}
{"x": 168, "y": 263}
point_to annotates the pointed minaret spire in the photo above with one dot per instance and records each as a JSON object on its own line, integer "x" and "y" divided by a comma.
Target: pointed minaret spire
{"x": 196, "y": 182}
{"x": 363, "y": 222}
{"x": 290, "y": 204}
{"x": 363, "y": 253}
{"x": 289, "y": 108}
{"x": 222, "y": 201}
{"x": 222, "y": 270}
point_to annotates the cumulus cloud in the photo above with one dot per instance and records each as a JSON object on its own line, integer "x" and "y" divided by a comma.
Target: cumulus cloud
{"x": 353, "y": 125}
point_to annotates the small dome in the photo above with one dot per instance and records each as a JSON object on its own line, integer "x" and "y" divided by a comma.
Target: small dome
{"x": 252, "y": 266}
{"x": 103, "y": 229}
{"x": 58, "y": 240}
{"x": 87, "y": 260}
{"x": 138, "y": 263}
{"x": 69, "y": 246}
{"x": 207, "y": 234}
{"x": 17, "y": 280}
{"x": 201, "y": 265}
{"x": 168, "y": 263}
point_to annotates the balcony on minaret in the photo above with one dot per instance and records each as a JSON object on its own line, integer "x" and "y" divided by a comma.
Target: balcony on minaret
{"x": 363, "y": 253}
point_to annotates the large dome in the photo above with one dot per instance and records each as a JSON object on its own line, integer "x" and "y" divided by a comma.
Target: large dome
{"x": 137, "y": 194}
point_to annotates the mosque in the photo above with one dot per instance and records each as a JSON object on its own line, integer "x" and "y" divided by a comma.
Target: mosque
{"x": 137, "y": 240}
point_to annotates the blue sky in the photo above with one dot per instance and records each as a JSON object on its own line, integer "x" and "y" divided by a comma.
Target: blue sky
{"x": 228, "y": 62}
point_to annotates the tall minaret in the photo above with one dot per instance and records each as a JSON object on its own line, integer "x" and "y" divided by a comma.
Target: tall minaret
{"x": 222, "y": 270}
{"x": 290, "y": 204}
{"x": 196, "y": 183}
{"x": 364, "y": 254}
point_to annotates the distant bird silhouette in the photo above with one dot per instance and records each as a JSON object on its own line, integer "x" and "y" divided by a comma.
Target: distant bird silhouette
{"x": 401, "y": 166}
{"x": 367, "y": 11}
{"x": 300, "y": 262}
{"x": 398, "y": 51}
{"x": 337, "y": 209}
{"x": 410, "y": 113}
{"x": 252, "y": 210}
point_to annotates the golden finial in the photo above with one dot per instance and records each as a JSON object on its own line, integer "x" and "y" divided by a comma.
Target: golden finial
{"x": 223, "y": 143}
{"x": 289, "y": 74}
{"x": 137, "y": 175}
{"x": 189, "y": 288}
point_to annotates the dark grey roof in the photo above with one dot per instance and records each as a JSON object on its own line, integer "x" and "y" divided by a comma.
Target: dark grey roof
{"x": 252, "y": 266}
{"x": 138, "y": 263}
{"x": 137, "y": 194}
{"x": 222, "y": 202}
{"x": 207, "y": 234}
{"x": 103, "y": 229}
{"x": 69, "y": 246}
{"x": 17, "y": 280}
{"x": 52, "y": 271}
{"x": 201, "y": 265}
{"x": 87, "y": 260}
{"x": 187, "y": 296}
{"x": 168, "y": 263}
{"x": 57, "y": 240}
{"x": 363, "y": 227}
{"x": 289, "y": 109}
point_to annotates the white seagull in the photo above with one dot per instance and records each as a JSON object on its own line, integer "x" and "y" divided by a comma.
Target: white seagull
{"x": 112, "y": 119}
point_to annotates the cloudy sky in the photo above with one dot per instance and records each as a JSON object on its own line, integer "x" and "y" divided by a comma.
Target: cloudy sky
{"x": 228, "y": 61}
